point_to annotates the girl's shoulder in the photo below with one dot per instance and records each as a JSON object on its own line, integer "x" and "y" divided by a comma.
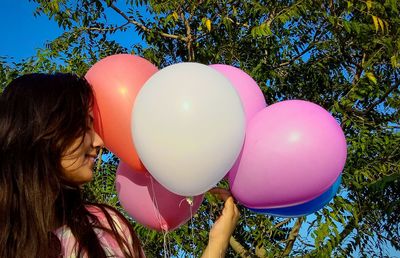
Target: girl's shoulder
{"x": 122, "y": 226}
{"x": 100, "y": 210}
{"x": 106, "y": 238}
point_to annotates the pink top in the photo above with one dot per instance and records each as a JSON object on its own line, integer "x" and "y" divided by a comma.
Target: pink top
{"x": 110, "y": 245}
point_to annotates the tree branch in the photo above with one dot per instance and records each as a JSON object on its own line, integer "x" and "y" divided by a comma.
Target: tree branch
{"x": 305, "y": 243}
{"x": 144, "y": 28}
{"x": 359, "y": 70}
{"x": 261, "y": 252}
{"x": 239, "y": 249}
{"x": 379, "y": 101}
{"x": 299, "y": 55}
{"x": 103, "y": 29}
{"x": 350, "y": 226}
{"x": 189, "y": 38}
{"x": 282, "y": 223}
{"x": 292, "y": 236}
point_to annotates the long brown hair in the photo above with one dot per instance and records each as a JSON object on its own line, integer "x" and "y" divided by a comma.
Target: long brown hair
{"x": 40, "y": 116}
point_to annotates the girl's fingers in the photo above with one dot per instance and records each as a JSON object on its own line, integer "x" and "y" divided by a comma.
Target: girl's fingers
{"x": 220, "y": 193}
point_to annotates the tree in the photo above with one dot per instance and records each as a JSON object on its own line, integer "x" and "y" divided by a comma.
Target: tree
{"x": 342, "y": 55}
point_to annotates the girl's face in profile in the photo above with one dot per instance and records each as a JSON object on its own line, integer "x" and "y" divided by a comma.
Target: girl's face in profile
{"x": 79, "y": 158}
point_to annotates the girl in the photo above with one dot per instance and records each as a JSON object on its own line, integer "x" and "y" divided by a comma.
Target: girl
{"x": 47, "y": 151}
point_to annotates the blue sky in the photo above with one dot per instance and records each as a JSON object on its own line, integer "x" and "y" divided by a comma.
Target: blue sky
{"x": 23, "y": 34}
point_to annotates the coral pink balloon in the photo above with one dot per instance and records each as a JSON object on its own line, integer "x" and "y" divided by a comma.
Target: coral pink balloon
{"x": 293, "y": 152}
{"x": 249, "y": 92}
{"x": 149, "y": 203}
{"x": 116, "y": 81}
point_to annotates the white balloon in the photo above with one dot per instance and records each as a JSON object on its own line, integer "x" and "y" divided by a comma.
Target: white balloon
{"x": 188, "y": 127}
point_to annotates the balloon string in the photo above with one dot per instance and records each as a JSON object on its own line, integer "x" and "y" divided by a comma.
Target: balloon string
{"x": 155, "y": 207}
{"x": 169, "y": 246}
{"x": 180, "y": 203}
{"x": 245, "y": 216}
{"x": 190, "y": 201}
{"x": 158, "y": 216}
{"x": 166, "y": 244}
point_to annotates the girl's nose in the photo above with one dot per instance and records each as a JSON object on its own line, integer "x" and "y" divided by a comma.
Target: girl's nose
{"x": 97, "y": 141}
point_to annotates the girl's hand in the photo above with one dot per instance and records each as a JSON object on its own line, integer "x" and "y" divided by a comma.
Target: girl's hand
{"x": 223, "y": 228}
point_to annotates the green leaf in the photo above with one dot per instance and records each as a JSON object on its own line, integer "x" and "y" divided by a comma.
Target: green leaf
{"x": 346, "y": 26}
{"x": 376, "y": 23}
{"x": 349, "y": 4}
{"x": 371, "y": 77}
{"x": 369, "y": 4}
{"x": 381, "y": 24}
{"x": 208, "y": 24}
{"x": 393, "y": 61}
{"x": 266, "y": 29}
{"x": 175, "y": 15}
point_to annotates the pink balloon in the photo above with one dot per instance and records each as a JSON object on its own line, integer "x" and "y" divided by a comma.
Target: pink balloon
{"x": 116, "y": 80}
{"x": 293, "y": 152}
{"x": 149, "y": 203}
{"x": 250, "y": 93}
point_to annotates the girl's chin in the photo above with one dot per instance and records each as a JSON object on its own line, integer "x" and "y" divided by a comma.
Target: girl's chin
{"x": 86, "y": 179}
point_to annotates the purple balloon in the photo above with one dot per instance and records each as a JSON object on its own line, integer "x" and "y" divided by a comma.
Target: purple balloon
{"x": 293, "y": 152}
{"x": 250, "y": 93}
{"x": 149, "y": 203}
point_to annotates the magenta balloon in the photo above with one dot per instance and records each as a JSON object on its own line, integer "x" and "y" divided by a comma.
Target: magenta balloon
{"x": 250, "y": 93}
{"x": 293, "y": 152}
{"x": 149, "y": 203}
